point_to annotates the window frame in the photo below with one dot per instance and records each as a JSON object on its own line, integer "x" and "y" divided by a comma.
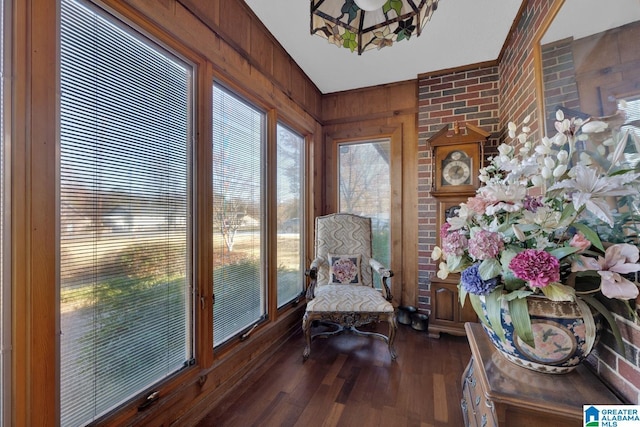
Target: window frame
{"x": 5, "y": 216}
{"x": 302, "y": 218}
{"x": 124, "y": 17}
{"x": 221, "y": 348}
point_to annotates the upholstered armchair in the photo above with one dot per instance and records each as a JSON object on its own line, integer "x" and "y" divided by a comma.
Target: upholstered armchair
{"x": 340, "y": 281}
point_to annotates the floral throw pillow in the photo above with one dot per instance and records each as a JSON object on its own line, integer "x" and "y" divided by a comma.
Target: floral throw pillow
{"x": 344, "y": 269}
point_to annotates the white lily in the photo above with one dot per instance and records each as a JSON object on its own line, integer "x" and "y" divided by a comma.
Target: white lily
{"x": 590, "y": 190}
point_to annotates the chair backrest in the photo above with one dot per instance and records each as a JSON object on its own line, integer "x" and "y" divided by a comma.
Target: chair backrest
{"x": 343, "y": 234}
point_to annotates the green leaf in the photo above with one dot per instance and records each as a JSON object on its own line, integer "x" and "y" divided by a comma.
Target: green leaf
{"x": 517, "y": 294}
{"x": 567, "y": 214}
{"x": 455, "y": 263}
{"x": 462, "y": 294}
{"x": 489, "y": 268}
{"x": 350, "y": 8}
{"x": 590, "y": 234}
{"x": 521, "y": 321}
{"x": 477, "y": 307}
{"x": 563, "y": 251}
{"x": 511, "y": 282}
{"x": 589, "y": 325}
{"x": 396, "y": 5}
{"x": 593, "y": 302}
{"x": 493, "y": 304}
{"x": 506, "y": 256}
{"x": 559, "y": 292}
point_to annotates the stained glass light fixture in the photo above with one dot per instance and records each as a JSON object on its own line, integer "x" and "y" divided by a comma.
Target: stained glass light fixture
{"x": 361, "y": 25}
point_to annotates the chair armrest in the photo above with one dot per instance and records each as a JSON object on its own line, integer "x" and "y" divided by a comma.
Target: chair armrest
{"x": 385, "y": 274}
{"x": 312, "y": 274}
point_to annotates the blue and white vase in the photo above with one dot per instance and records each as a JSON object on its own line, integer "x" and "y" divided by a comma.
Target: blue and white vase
{"x": 560, "y": 335}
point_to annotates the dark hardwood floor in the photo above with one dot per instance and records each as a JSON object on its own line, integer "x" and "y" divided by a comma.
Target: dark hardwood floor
{"x": 351, "y": 381}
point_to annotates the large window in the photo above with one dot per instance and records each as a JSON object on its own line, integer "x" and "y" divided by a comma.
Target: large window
{"x": 238, "y": 153}
{"x": 124, "y": 213}
{"x": 290, "y": 212}
{"x": 365, "y": 189}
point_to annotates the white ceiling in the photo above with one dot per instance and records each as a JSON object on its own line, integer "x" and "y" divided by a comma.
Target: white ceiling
{"x": 460, "y": 32}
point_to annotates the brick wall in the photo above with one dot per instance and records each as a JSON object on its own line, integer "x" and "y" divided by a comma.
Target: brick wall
{"x": 490, "y": 97}
{"x": 470, "y": 96}
{"x": 559, "y": 76}
{"x": 517, "y": 99}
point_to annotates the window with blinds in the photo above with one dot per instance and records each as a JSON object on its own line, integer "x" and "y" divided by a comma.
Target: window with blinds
{"x": 124, "y": 213}
{"x": 237, "y": 159}
{"x": 290, "y": 214}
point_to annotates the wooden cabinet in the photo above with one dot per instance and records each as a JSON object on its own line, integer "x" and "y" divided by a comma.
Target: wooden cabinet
{"x": 447, "y": 315}
{"x": 496, "y": 392}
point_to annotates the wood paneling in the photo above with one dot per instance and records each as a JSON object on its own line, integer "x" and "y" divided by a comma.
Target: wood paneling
{"x": 239, "y": 28}
{"x": 606, "y": 66}
{"x": 383, "y": 111}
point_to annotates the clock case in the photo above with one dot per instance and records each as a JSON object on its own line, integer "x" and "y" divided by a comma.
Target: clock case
{"x": 464, "y": 138}
{"x": 447, "y": 315}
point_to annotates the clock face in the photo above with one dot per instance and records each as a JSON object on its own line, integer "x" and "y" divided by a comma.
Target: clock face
{"x": 456, "y": 169}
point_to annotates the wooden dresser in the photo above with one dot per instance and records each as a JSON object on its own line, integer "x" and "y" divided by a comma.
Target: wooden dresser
{"x": 496, "y": 392}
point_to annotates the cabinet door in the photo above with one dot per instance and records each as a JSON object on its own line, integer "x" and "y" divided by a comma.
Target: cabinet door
{"x": 447, "y": 315}
{"x": 444, "y": 305}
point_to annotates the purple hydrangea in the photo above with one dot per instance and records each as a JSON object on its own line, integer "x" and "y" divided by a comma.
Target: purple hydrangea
{"x": 472, "y": 282}
{"x": 537, "y": 267}
{"x": 485, "y": 245}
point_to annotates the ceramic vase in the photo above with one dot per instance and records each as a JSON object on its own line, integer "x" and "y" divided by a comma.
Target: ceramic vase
{"x": 560, "y": 336}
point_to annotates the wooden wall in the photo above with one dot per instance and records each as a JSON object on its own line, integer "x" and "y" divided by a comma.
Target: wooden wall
{"x": 383, "y": 111}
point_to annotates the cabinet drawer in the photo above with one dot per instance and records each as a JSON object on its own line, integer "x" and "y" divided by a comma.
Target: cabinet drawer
{"x": 477, "y": 409}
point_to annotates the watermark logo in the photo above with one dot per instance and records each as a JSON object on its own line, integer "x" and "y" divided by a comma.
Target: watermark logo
{"x": 611, "y": 415}
{"x": 592, "y": 417}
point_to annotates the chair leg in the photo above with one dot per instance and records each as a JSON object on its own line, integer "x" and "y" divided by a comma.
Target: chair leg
{"x": 393, "y": 326}
{"x": 306, "y": 328}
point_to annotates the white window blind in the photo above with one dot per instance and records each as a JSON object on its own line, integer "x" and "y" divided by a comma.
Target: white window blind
{"x": 290, "y": 214}
{"x": 124, "y": 213}
{"x": 238, "y": 140}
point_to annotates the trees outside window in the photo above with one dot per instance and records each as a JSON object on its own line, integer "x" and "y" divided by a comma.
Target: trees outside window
{"x": 290, "y": 214}
{"x": 125, "y": 201}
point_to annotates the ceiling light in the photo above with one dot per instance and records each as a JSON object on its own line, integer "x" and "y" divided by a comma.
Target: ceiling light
{"x": 370, "y": 5}
{"x": 361, "y": 25}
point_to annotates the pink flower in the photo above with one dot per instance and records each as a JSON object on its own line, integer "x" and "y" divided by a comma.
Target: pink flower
{"x": 477, "y": 204}
{"x": 454, "y": 244}
{"x": 537, "y": 267}
{"x": 618, "y": 259}
{"x": 444, "y": 229}
{"x": 485, "y": 245}
{"x": 579, "y": 241}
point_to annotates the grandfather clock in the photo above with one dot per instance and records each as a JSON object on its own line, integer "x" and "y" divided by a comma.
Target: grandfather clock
{"x": 457, "y": 157}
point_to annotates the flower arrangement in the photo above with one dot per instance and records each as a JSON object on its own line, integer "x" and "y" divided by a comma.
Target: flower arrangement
{"x": 555, "y": 218}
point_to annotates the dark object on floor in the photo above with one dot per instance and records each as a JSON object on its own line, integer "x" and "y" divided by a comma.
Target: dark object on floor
{"x": 419, "y": 321}
{"x": 404, "y": 314}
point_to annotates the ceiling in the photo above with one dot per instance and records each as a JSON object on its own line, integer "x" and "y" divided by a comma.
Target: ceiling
{"x": 460, "y": 32}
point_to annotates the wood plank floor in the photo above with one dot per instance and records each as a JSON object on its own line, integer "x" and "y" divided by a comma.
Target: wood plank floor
{"x": 351, "y": 381}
